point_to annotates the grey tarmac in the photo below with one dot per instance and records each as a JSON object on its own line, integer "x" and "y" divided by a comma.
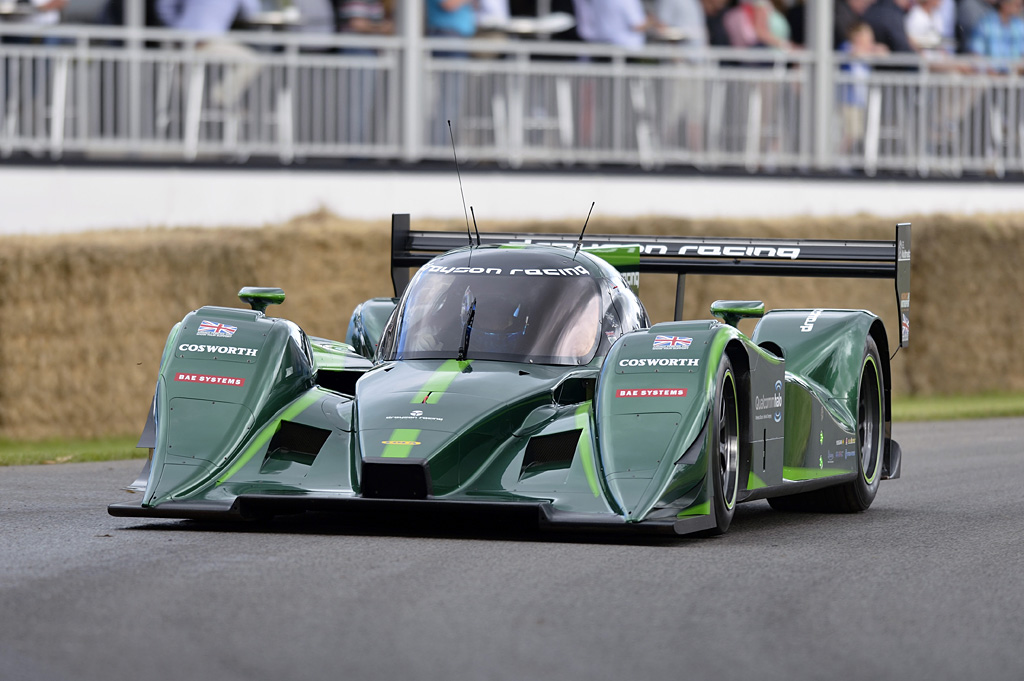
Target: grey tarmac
{"x": 927, "y": 584}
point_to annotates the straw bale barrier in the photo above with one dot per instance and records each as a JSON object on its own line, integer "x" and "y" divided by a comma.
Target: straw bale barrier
{"x": 83, "y": 317}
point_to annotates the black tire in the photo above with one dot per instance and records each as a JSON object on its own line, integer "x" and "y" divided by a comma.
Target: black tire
{"x": 724, "y": 449}
{"x": 857, "y": 495}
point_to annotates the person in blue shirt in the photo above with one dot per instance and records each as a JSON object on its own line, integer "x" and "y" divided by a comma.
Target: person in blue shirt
{"x": 999, "y": 35}
{"x": 208, "y": 16}
{"x": 451, "y": 18}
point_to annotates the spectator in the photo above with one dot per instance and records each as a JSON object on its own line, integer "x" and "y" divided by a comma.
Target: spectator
{"x": 208, "y": 16}
{"x": 947, "y": 10}
{"x": 757, "y": 23}
{"x": 687, "y": 18}
{"x": 714, "y": 11}
{"x": 317, "y": 17}
{"x": 449, "y": 19}
{"x": 796, "y": 15}
{"x": 1000, "y": 34}
{"x": 860, "y": 46}
{"x": 362, "y": 17}
{"x": 848, "y": 13}
{"x": 47, "y": 13}
{"x": 886, "y": 19}
{"x": 772, "y": 28}
{"x": 684, "y": 98}
{"x": 583, "y": 10}
{"x": 216, "y": 17}
{"x": 620, "y": 22}
{"x": 113, "y": 13}
{"x": 925, "y": 28}
{"x": 968, "y": 14}
{"x": 491, "y": 16}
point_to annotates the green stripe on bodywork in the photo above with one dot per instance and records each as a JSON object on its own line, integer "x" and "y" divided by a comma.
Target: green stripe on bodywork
{"x": 617, "y": 256}
{"x": 797, "y": 473}
{"x": 583, "y": 423}
{"x": 439, "y": 381}
{"x": 400, "y": 435}
{"x": 297, "y": 407}
{"x": 699, "y": 509}
{"x": 754, "y": 482}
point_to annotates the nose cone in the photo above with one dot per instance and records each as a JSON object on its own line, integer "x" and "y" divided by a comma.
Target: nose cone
{"x": 452, "y": 415}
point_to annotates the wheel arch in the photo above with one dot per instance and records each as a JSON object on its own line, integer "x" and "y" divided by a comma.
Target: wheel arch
{"x": 891, "y": 454}
{"x": 877, "y": 333}
{"x": 737, "y": 354}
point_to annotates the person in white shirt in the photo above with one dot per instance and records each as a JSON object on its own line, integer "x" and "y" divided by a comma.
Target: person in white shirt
{"x": 491, "y": 15}
{"x": 216, "y": 17}
{"x": 926, "y": 28}
{"x": 620, "y": 22}
{"x": 47, "y": 12}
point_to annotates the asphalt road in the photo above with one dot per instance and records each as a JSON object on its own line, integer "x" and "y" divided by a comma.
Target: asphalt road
{"x": 928, "y": 584}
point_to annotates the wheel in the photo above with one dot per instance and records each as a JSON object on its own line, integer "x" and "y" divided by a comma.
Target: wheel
{"x": 856, "y": 495}
{"x": 724, "y": 452}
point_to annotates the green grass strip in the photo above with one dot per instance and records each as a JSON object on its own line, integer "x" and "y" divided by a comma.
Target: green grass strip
{"x": 21, "y": 453}
{"x": 956, "y": 407}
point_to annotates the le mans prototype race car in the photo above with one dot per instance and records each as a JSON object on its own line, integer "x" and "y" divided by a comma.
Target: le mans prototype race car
{"x": 520, "y": 375}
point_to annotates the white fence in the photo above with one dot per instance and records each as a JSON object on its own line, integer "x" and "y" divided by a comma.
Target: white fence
{"x": 99, "y": 92}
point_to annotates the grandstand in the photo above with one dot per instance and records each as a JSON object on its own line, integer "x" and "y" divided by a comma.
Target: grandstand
{"x": 132, "y": 93}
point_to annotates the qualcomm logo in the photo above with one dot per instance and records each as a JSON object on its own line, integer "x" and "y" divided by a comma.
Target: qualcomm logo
{"x": 770, "y": 402}
{"x": 778, "y": 391}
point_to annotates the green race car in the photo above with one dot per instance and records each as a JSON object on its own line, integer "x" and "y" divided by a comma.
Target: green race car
{"x": 519, "y": 376}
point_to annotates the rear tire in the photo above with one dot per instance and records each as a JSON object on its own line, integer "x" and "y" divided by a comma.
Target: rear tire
{"x": 724, "y": 450}
{"x": 857, "y": 495}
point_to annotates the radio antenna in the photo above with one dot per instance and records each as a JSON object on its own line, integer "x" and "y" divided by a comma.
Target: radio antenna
{"x": 579, "y": 242}
{"x": 459, "y": 173}
{"x": 475, "y": 228}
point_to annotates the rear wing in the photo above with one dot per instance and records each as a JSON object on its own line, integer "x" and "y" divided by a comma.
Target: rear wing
{"x": 858, "y": 259}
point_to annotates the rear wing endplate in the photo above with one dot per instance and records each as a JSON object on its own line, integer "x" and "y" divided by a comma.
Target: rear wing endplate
{"x": 859, "y": 259}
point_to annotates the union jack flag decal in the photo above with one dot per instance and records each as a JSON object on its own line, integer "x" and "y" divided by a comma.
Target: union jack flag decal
{"x": 216, "y": 329}
{"x": 671, "y": 342}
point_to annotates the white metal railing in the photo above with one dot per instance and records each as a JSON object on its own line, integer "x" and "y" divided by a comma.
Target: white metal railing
{"x": 156, "y": 94}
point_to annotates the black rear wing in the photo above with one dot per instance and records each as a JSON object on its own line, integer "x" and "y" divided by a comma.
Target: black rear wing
{"x": 858, "y": 259}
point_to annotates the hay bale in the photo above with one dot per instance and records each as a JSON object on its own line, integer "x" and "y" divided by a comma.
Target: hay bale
{"x": 83, "y": 317}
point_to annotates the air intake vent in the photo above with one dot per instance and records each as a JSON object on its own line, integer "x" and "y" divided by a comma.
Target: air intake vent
{"x": 297, "y": 443}
{"x": 343, "y": 382}
{"x": 574, "y": 390}
{"x": 549, "y": 453}
{"x": 395, "y": 478}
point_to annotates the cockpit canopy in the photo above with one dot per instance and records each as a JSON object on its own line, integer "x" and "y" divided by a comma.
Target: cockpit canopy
{"x": 533, "y": 304}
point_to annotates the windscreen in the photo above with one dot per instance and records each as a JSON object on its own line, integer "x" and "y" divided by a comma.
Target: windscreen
{"x": 490, "y": 310}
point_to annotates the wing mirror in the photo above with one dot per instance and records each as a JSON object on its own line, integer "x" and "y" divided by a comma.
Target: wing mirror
{"x": 259, "y": 297}
{"x": 732, "y": 311}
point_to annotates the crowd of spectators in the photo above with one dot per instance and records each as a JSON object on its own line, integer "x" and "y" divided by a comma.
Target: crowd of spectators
{"x": 929, "y": 28}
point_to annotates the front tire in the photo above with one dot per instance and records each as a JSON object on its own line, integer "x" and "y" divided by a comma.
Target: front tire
{"x": 724, "y": 450}
{"x": 857, "y": 495}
